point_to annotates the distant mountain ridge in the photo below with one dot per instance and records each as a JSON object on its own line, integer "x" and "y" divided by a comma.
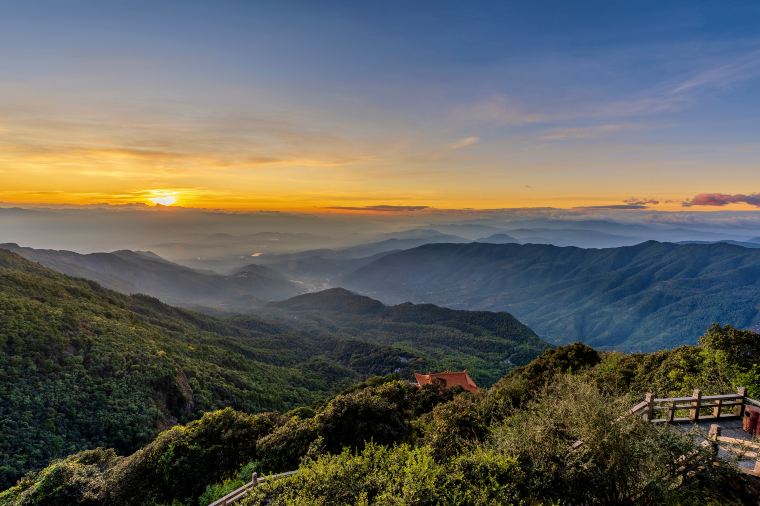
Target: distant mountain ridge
{"x": 333, "y": 299}
{"x": 145, "y": 272}
{"x": 637, "y": 298}
{"x": 500, "y": 238}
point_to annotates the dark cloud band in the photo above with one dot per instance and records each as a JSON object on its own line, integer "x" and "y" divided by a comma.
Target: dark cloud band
{"x": 722, "y": 199}
{"x": 384, "y": 208}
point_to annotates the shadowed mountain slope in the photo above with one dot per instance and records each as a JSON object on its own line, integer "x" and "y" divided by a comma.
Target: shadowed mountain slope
{"x": 644, "y": 297}
{"x": 144, "y": 272}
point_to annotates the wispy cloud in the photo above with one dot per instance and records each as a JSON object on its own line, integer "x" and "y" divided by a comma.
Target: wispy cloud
{"x": 635, "y": 201}
{"x": 612, "y": 207}
{"x": 500, "y": 110}
{"x": 381, "y": 208}
{"x": 463, "y": 143}
{"x": 585, "y": 132}
{"x": 723, "y": 76}
{"x": 722, "y": 199}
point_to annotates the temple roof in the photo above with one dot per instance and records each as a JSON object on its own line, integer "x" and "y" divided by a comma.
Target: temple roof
{"x": 451, "y": 379}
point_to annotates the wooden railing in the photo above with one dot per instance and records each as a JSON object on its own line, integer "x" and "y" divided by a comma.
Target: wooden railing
{"x": 243, "y": 491}
{"x": 702, "y": 408}
{"x": 743, "y": 448}
{"x": 697, "y": 408}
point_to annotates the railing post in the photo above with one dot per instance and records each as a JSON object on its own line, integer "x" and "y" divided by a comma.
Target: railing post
{"x": 714, "y": 433}
{"x": 695, "y": 405}
{"x": 649, "y": 414}
{"x": 740, "y": 408}
{"x": 254, "y": 479}
{"x": 716, "y": 408}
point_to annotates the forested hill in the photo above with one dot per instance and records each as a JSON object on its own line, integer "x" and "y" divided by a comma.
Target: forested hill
{"x": 486, "y": 343}
{"x": 644, "y": 297}
{"x": 83, "y": 366}
{"x": 386, "y": 442}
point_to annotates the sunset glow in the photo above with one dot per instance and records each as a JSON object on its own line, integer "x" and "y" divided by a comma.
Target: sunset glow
{"x": 164, "y": 198}
{"x": 332, "y": 120}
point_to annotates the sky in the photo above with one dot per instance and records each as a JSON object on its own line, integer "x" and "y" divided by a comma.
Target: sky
{"x": 381, "y": 107}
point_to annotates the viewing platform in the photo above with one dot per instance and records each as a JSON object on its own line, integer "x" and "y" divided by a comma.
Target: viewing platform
{"x": 732, "y": 421}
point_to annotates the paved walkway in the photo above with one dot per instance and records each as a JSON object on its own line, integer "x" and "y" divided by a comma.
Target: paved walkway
{"x": 730, "y": 427}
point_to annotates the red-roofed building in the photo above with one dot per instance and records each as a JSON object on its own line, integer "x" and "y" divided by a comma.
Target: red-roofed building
{"x": 449, "y": 379}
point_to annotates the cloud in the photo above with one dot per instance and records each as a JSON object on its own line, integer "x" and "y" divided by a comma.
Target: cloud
{"x": 581, "y": 133}
{"x": 632, "y": 203}
{"x": 723, "y": 76}
{"x": 613, "y": 207}
{"x": 635, "y": 201}
{"x": 463, "y": 143}
{"x": 500, "y": 110}
{"x": 722, "y": 199}
{"x": 383, "y": 208}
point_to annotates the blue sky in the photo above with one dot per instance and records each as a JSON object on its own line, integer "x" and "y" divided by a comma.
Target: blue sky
{"x": 449, "y": 104}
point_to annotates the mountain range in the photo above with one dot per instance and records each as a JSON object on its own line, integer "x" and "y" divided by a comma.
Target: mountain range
{"x": 637, "y": 298}
{"x": 133, "y": 272}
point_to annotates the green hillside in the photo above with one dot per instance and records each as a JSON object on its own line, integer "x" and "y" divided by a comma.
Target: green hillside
{"x": 83, "y": 366}
{"x": 387, "y": 442}
{"x": 488, "y": 344}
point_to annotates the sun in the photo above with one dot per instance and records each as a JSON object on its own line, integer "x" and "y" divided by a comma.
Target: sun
{"x": 164, "y": 198}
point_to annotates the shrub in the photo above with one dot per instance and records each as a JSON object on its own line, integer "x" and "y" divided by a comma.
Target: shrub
{"x": 78, "y": 479}
{"x": 378, "y": 474}
{"x": 397, "y": 475}
{"x": 620, "y": 461}
{"x": 454, "y": 426}
{"x": 181, "y": 461}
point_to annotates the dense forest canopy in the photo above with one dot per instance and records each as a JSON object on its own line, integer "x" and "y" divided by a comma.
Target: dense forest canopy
{"x": 386, "y": 442}
{"x": 82, "y": 366}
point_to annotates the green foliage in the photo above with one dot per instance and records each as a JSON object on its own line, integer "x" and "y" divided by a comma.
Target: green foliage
{"x": 84, "y": 367}
{"x": 532, "y": 457}
{"x": 454, "y": 426}
{"x": 518, "y": 386}
{"x": 182, "y": 460}
{"x": 381, "y": 413}
{"x": 397, "y": 475}
{"x": 178, "y": 465}
{"x": 382, "y": 441}
{"x": 78, "y": 479}
{"x": 205, "y": 456}
{"x": 416, "y": 336}
{"x": 725, "y": 359}
{"x": 619, "y": 461}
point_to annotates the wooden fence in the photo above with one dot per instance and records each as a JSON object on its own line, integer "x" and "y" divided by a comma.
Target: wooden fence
{"x": 697, "y": 408}
{"x": 703, "y": 408}
{"x": 238, "y": 494}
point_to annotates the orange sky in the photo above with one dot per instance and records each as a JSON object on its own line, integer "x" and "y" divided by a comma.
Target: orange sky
{"x": 283, "y": 108}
